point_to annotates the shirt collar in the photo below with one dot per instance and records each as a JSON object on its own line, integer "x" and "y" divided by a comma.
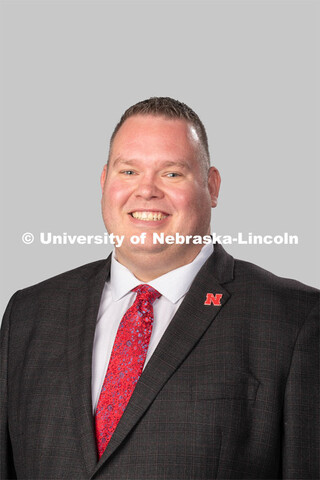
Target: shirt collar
{"x": 172, "y": 285}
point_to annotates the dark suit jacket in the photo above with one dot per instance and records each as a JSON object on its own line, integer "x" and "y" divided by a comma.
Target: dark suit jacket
{"x": 230, "y": 392}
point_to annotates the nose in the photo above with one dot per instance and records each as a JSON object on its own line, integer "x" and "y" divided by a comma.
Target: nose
{"x": 148, "y": 188}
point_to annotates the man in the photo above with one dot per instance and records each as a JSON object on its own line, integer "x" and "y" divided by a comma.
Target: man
{"x": 213, "y": 373}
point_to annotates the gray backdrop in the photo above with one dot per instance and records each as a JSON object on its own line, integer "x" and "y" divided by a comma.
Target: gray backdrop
{"x": 70, "y": 68}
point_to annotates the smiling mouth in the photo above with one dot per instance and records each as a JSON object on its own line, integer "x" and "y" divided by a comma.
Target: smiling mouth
{"x": 149, "y": 216}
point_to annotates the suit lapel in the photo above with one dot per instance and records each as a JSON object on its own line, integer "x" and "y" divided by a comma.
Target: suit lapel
{"x": 83, "y": 311}
{"x": 186, "y": 328}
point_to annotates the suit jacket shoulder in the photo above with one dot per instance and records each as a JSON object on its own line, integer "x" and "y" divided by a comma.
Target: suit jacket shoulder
{"x": 263, "y": 286}
{"x": 70, "y": 279}
{"x": 248, "y": 270}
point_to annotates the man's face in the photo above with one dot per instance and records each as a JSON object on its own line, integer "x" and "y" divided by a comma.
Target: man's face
{"x": 155, "y": 181}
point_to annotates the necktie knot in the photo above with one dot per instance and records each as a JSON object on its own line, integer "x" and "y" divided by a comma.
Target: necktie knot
{"x": 145, "y": 293}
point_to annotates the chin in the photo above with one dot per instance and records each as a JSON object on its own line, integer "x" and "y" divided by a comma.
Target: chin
{"x": 149, "y": 248}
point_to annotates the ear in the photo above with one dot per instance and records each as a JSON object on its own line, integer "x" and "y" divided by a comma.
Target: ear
{"x": 214, "y": 181}
{"x": 103, "y": 176}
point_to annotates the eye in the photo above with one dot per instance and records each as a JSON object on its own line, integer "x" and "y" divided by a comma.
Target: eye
{"x": 127, "y": 172}
{"x": 173, "y": 174}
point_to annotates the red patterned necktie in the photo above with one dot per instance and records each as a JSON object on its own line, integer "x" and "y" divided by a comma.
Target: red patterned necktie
{"x": 126, "y": 363}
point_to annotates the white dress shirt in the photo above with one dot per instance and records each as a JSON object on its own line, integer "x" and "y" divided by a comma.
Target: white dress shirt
{"x": 117, "y": 297}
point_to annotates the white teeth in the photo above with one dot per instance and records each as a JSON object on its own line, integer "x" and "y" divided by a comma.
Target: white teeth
{"x": 149, "y": 216}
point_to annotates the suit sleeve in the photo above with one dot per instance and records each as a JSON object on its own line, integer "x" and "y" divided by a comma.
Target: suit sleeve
{"x": 6, "y": 458}
{"x": 301, "y": 408}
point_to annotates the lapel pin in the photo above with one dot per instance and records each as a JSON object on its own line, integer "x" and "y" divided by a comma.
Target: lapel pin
{"x": 213, "y": 299}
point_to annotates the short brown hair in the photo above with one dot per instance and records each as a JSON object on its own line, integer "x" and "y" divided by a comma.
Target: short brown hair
{"x": 169, "y": 108}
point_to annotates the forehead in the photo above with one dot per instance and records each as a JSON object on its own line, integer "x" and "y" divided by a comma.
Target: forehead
{"x": 155, "y": 135}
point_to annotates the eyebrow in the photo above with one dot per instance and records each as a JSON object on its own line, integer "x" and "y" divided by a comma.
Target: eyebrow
{"x": 166, "y": 164}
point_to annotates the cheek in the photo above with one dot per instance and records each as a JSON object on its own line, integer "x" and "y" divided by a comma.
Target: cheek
{"x": 194, "y": 209}
{"x": 114, "y": 195}
{"x": 181, "y": 198}
{"x": 190, "y": 200}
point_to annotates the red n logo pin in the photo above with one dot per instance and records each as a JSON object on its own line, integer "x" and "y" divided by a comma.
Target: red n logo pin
{"x": 214, "y": 299}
